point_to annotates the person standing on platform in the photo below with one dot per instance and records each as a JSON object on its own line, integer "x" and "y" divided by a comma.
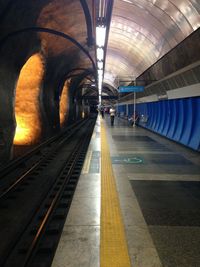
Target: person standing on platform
{"x": 102, "y": 112}
{"x": 112, "y": 116}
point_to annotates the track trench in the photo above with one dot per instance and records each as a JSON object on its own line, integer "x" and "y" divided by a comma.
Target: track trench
{"x": 34, "y": 205}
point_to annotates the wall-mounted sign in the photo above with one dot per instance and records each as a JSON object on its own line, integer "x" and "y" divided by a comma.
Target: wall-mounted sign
{"x": 130, "y": 89}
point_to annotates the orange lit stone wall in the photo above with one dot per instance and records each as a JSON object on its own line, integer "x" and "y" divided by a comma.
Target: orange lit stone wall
{"x": 64, "y": 103}
{"x": 27, "y": 113}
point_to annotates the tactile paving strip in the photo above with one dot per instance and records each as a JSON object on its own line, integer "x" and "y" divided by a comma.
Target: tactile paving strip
{"x": 113, "y": 246}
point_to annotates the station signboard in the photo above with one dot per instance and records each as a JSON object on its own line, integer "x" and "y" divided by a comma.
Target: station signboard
{"x": 131, "y": 89}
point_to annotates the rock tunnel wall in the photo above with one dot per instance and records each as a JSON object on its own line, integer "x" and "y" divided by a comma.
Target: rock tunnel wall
{"x": 19, "y": 41}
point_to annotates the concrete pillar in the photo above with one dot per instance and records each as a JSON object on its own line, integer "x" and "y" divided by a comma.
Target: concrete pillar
{"x": 72, "y": 109}
{"x": 8, "y": 78}
{"x": 50, "y": 105}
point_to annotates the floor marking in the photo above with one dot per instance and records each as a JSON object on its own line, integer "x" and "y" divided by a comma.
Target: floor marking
{"x": 127, "y": 160}
{"x": 86, "y": 165}
{"x": 113, "y": 246}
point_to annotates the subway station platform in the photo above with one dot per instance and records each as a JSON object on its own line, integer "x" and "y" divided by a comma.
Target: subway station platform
{"x": 137, "y": 203}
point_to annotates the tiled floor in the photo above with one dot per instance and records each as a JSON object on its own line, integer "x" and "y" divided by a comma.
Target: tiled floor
{"x": 159, "y": 197}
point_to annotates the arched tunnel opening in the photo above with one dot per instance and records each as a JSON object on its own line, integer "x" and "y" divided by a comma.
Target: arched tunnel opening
{"x": 27, "y": 104}
{"x": 64, "y": 104}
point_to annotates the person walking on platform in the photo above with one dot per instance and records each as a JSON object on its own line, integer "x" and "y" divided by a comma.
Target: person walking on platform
{"x": 112, "y": 116}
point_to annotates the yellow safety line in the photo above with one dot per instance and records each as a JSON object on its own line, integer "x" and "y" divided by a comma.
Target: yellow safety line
{"x": 113, "y": 246}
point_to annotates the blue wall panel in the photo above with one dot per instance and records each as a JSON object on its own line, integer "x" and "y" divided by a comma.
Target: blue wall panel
{"x": 173, "y": 118}
{"x": 166, "y": 121}
{"x": 150, "y": 116}
{"x": 177, "y": 119}
{"x": 121, "y": 109}
{"x": 130, "y": 110}
{"x": 195, "y": 133}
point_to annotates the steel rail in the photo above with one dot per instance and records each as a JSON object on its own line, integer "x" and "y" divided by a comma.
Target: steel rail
{"x": 66, "y": 172}
{"x": 37, "y": 164}
{"x": 53, "y": 204}
{"x": 14, "y": 163}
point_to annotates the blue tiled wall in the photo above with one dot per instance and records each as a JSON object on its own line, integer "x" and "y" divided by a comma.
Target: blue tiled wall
{"x": 121, "y": 109}
{"x": 177, "y": 119}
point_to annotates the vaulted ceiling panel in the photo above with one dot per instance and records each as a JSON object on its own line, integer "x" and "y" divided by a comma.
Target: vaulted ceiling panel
{"x": 143, "y": 31}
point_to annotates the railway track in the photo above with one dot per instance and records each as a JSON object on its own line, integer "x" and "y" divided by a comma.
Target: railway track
{"x": 33, "y": 158}
{"x": 35, "y": 202}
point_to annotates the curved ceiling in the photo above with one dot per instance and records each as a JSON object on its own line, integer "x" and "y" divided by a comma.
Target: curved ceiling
{"x": 143, "y": 31}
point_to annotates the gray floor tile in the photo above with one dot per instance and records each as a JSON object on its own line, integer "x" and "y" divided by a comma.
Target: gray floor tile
{"x": 177, "y": 246}
{"x": 78, "y": 247}
{"x": 84, "y": 211}
{"x": 88, "y": 186}
{"x": 141, "y": 248}
{"x": 169, "y": 202}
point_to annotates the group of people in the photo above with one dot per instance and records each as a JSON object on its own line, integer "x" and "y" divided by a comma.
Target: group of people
{"x": 132, "y": 120}
{"x": 111, "y": 112}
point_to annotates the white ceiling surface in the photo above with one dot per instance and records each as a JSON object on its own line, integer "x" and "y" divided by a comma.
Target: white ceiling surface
{"x": 142, "y": 31}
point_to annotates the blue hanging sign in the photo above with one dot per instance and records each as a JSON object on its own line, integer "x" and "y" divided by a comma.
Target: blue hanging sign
{"x": 130, "y": 89}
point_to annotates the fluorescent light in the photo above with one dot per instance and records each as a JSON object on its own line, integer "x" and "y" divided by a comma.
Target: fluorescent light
{"x": 99, "y": 54}
{"x": 100, "y": 65}
{"x": 128, "y": 1}
{"x": 100, "y": 81}
{"x": 99, "y": 84}
{"x": 100, "y": 73}
{"x": 100, "y": 42}
{"x": 100, "y": 36}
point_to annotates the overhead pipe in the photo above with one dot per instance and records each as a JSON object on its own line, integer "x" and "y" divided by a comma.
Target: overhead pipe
{"x": 88, "y": 19}
{"x": 107, "y": 22}
{"x": 50, "y": 31}
{"x": 82, "y": 76}
{"x": 70, "y": 74}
